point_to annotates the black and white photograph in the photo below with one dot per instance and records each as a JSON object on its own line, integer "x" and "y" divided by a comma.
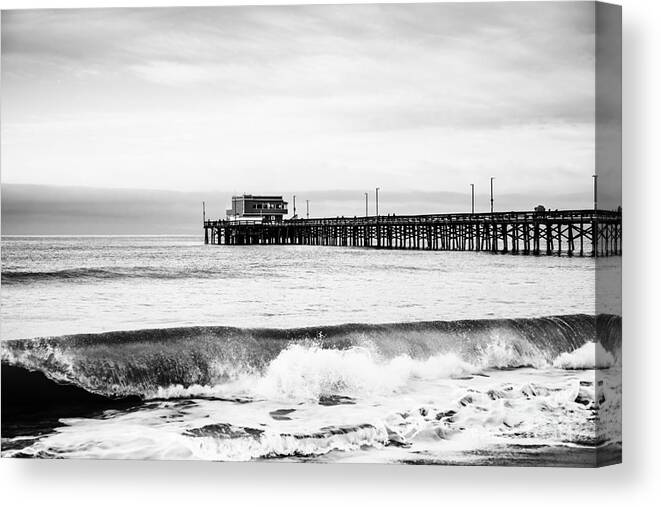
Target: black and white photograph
{"x": 359, "y": 233}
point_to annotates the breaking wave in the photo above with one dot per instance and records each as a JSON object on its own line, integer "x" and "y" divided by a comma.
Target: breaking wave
{"x": 304, "y": 363}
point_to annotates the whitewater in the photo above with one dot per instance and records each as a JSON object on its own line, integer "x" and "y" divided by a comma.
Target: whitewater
{"x": 162, "y": 348}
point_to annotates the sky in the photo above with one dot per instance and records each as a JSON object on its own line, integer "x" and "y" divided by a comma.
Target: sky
{"x": 322, "y": 101}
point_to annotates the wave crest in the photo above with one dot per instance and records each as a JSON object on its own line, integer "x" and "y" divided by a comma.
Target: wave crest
{"x": 10, "y": 277}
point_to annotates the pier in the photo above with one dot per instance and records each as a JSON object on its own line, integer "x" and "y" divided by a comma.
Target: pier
{"x": 567, "y": 232}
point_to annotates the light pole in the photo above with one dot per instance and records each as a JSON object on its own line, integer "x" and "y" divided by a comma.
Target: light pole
{"x": 492, "y": 178}
{"x": 472, "y": 198}
{"x": 594, "y": 177}
{"x": 307, "y": 208}
{"x": 366, "y": 206}
{"x": 204, "y": 212}
{"x": 377, "y": 201}
{"x": 294, "y": 207}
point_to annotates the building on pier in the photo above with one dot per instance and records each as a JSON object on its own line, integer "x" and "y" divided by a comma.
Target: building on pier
{"x": 266, "y": 208}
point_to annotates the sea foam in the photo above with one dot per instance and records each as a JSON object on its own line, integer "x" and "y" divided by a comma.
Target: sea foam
{"x": 589, "y": 356}
{"x": 310, "y": 372}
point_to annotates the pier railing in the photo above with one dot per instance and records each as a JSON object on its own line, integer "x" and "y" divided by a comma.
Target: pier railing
{"x": 580, "y": 232}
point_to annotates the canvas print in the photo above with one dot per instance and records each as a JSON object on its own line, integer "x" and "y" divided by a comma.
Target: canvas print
{"x": 315, "y": 233}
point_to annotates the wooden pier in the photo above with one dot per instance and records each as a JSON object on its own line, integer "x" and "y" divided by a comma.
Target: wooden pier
{"x": 567, "y": 232}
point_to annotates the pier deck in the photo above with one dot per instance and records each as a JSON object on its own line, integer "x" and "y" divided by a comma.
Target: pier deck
{"x": 566, "y": 232}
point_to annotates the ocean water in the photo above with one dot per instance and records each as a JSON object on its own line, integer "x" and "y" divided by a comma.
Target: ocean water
{"x": 165, "y": 348}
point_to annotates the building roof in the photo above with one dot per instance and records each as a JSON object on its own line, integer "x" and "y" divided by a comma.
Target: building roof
{"x": 265, "y": 197}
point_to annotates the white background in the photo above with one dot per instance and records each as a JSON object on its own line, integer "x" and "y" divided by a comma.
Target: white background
{"x": 636, "y": 482}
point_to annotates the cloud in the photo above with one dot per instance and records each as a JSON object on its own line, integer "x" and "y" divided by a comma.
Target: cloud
{"x": 416, "y": 96}
{"x": 176, "y": 73}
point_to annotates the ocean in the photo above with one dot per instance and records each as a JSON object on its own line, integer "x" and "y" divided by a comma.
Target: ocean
{"x": 161, "y": 347}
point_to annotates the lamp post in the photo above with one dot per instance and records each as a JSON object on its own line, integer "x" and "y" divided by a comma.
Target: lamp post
{"x": 204, "y": 212}
{"x": 307, "y": 208}
{"x": 377, "y": 202}
{"x": 366, "y": 205}
{"x": 492, "y": 178}
{"x": 472, "y": 198}
{"x": 294, "y": 206}
{"x": 594, "y": 177}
